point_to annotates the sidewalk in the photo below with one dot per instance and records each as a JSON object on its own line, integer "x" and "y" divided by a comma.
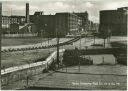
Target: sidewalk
{"x": 89, "y": 77}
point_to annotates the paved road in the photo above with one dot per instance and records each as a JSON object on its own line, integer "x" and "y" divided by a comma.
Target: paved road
{"x": 89, "y": 77}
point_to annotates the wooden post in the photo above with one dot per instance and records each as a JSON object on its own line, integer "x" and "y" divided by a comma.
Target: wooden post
{"x": 104, "y": 42}
{"x": 27, "y": 81}
{"x": 66, "y": 69}
{"x": 79, "y": 66}
{"x": 94, "y": 39}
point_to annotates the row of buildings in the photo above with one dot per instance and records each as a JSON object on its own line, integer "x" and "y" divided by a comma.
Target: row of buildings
{"x": 10, "y": 24}
{"x": 63, "y": 23}
{"x": 114, "y": 21}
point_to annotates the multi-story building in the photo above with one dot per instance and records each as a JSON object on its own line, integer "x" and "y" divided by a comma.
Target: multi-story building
{"x": 45, "y": 24}
{"x": 114, "y": 21}
{"x": 9, "y": 21}
{"x": 39, "y": 13}
{"x": 94, "y": 27}
{"x": 10, "y": 24}
{"x": 68, "y": 23}
{"x": 84, "y": 17}
{"x": 61, "y": 23}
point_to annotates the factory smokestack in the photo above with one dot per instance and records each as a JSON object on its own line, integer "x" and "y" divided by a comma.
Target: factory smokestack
{"x": 27, "y": 12}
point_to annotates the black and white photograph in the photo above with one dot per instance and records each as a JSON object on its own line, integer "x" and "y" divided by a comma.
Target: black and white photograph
{"x": 63, "y": 44}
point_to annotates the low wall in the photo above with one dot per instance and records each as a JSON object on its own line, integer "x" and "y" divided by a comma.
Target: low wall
{"x": 71, "y": 56}
{"x": 99, "y": 51}
{"x": 18, "y": 35}
{"x": 22, "y": 74}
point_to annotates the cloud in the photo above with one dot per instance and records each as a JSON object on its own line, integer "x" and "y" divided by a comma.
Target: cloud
{"x": 59, "y": 6}
{"x": 88, "y": 4}
{"x": 115, "y": 5}
{"x": 94, "y": 18}
{"x": 52, "y": 6}
{"x": 34, "y": 7}
{"x": 21, "y": 7}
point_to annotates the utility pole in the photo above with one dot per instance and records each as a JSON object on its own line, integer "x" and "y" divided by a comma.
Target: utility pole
{"x": 57, "y": 49}
{"x": 80, "y": 41}
{"x": 78, "y": 53}
{"x": 79, "y": 65}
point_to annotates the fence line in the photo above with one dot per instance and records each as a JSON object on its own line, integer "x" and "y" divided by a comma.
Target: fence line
{"x": 32, "y": 47}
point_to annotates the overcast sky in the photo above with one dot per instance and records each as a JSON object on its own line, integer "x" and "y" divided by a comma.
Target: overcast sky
{"x": 93, "y": 7}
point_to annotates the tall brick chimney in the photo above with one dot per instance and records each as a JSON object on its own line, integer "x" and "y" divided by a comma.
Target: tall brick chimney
{"x": 27, "y": 12}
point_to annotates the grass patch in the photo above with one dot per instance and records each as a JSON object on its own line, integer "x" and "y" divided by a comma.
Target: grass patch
{"x": 21, "y": 41}
{"x": 9, "y": 59}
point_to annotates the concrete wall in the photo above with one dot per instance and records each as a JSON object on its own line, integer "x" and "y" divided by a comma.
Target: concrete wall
{"x": 20, "y": 75}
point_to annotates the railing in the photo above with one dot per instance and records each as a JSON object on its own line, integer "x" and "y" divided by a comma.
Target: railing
{"x": 32, "y": 47}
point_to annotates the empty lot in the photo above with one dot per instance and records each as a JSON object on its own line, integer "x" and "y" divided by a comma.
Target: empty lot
{"x": 9, "y": 59}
